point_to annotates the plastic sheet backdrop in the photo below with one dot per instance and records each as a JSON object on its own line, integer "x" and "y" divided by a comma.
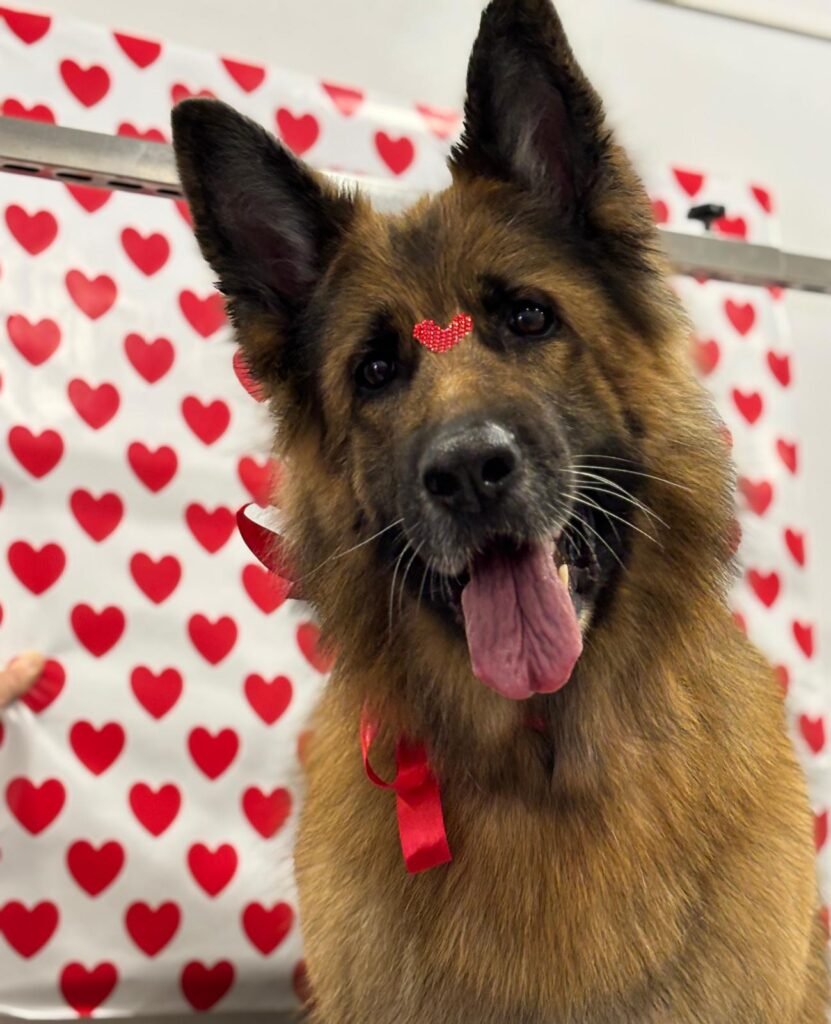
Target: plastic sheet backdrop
{"x": 149, "y": 786}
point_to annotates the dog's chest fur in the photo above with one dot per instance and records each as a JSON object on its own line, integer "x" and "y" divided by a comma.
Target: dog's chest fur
{"x": 616, "y": 908}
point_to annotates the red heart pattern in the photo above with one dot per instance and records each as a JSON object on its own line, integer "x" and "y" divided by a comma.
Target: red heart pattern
{"x": 690, "y": 181}
{"x": 35, "y": 806}
{"x": 100, "y": 631}
{"x": 787, "y": 452}
{"x": 213, "y": 640}
{"x": 36, "y": 453}
{"x": 813, "y": 732}
{"x": 267, "y": 929}
{"x": 95, "y": 405}
{"x": 346, "y": 100}
{"x": 155, "y": 468}
{"x": 795, "y": 543}
{"x": 742, "y": 315}
{"x": 299, "y": 132}
{"x": 26, "y": 930}
{"x": 203, "y": 987}
{"x": 98, "y": 517}
{"x": 95, "y": 868}
{"x": 155, "y": 809}
{"x": 150, "y": 929}
{"x": 37, "y": 569}
{"x": 150, "y": 359}
{"x": 29, "y": 28}
{"x": 269, "y": 699}
{"x": 213, "y": 754}
{"x": 735, "y": 227}
{"x": 258, "y": 478}
{"x": 267, "y": 812}
{"x": 205, "y": 314}
{"x": 766, "y": 586}
{"x": 308, "y": 640}
{"x": 48, "y": 687}
{"x": 34, "y": 232}
{"x": 267, "y": 591}
{"x": 86, "y": 989}
{"x": 88, "y": 85}
{"x": 36, "y": 342}
{"x": 397, "y": 153}
{"x": 96, "y": 749}
{"x": 749, "y": 368}
{"x": 749, "y": 405}
{"x": 157, "y": 693}
{"x": 247, "y": 76}
{"x": 208, "y": 420}
{"x": 211, "y": 529}
{"x": 37, "y": 112}
{"x": 130, "y": 131}
{"x": 757, "y": 494}
{"x": 443, "y": 339}
{"x": 123, "y": 453}
{"x": 142, "y": 52}
{"x": 706, "y": 355}
{"x": 820, "y": 830}
{"x": 212, "y": 870}
{"x": 94, "y": 296}
{"x": 442, "y": 123}
{"x": 149, "y": 253}
{"x": 156, "y": 579}
{"x": 780, "y": 367}
{"x": 90, "y": 199}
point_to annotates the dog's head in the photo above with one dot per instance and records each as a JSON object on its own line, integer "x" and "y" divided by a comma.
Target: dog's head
{"x": 492, "y": 472}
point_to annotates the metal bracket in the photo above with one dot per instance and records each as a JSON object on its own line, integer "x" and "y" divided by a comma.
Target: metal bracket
{"x": 134, "y": 165}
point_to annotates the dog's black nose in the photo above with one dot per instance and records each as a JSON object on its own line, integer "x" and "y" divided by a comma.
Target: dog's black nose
{"x": 468, "y": 468}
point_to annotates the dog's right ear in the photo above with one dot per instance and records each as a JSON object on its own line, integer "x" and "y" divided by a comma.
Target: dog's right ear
{"x": 265, "y": 223}
{"x": 531, "y": 115}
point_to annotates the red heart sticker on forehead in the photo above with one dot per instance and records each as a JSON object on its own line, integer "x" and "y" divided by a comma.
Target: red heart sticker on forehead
{"x": 442, "y": 339}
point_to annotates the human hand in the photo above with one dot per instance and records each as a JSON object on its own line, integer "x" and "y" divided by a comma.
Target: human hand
{"x": 18, "y": 676}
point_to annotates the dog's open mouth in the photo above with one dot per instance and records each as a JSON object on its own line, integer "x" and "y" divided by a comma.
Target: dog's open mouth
{"x": 523, "y": 607}
{"x": 520, "y": 620}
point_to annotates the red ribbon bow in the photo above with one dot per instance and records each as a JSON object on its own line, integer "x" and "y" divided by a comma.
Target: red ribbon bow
{"x": 418, "y": 799}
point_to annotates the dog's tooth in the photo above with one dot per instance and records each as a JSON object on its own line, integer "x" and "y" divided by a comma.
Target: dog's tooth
{"x": 563, "y": 574}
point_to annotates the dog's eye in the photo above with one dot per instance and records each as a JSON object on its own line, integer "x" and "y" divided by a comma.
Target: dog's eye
{"x": 530, "y": 319}
{"x": 376, "y": 373}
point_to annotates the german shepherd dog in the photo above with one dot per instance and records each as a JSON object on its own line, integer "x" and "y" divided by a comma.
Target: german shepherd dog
{"x": 517, "y": 533}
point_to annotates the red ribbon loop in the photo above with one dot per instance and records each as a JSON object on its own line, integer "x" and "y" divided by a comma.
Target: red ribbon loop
{"x": 417, "y": 797}
{"x": 267, "y": 547}
{"x": 418, "y": 801}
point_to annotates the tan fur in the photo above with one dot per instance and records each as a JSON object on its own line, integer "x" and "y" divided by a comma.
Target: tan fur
{"x": 668, "y": 875}
{"x": 646, "y": 855}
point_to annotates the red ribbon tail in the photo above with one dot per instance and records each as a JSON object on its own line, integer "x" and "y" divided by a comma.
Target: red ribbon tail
{"x": 421, "y": 826}
{"x": 420, "y": 816}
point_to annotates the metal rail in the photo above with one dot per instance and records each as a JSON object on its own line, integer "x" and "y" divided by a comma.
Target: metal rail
{"x": 814, "y": 25}
{"x": 134, "y": 165}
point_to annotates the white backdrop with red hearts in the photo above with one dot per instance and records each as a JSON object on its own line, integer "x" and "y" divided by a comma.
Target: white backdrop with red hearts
{"x": 149, "y": 785}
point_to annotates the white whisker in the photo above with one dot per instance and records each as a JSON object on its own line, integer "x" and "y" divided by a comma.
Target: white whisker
{"x": 342, "y": 554}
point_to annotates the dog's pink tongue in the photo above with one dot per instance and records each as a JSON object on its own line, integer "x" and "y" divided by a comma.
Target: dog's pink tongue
{"x": 521, "y": 627}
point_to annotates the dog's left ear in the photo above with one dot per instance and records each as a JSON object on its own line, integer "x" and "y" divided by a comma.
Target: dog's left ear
{"x": 531, "y": 115}
{"x": 265, "y": 222}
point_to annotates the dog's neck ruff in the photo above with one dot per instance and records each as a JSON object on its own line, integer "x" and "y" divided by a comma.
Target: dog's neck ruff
{"x": 421, "y": 828}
